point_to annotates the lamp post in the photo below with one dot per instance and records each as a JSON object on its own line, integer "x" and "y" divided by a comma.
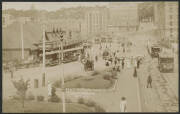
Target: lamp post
{"x": 61, "y": 38}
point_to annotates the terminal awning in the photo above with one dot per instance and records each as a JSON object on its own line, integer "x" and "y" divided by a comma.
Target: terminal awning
{"x": 67, "y": 50}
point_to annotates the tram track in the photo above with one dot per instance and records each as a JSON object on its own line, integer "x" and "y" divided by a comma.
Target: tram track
{"x": 168, "y": 98}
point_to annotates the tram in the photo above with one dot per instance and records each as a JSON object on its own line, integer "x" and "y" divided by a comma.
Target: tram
{"x": 166, "y": 62}
{"x": 154, "y": 50}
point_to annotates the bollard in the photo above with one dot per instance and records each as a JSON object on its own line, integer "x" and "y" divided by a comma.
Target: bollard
{"x": 43, "y": 80}
{"x": 35, "y": 83}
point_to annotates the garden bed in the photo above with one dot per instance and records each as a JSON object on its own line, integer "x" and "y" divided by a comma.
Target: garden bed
{"x": 94, "y": 80}
{"x": 13, "y": 106}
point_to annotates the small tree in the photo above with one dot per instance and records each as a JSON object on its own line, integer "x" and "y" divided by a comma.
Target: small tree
{"x": 54, "y": 97}
{"x": 22, "y": 87}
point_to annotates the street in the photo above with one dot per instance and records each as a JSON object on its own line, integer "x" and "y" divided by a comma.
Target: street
{"x": 126, "y": 85}
{"x": 113, "y": 57}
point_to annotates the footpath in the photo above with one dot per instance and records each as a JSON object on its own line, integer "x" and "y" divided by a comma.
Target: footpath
{"x": 162, "y": 97}
{"x": 127, "y": 87}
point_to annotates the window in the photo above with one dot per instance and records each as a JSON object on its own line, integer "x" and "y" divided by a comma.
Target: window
{"x": 171, "y": 30}
{"x": 171, "y": 35}
{"x": 171, "y": 23}
{"x": 170, "y": 16}
{"x": 170, "y": 8}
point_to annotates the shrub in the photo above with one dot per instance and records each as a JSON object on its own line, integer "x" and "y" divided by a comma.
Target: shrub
{"x": 68, "y": 100}
{"x": 90, "y": 103}
{"x": 81, "y": 101}
{"x": 78, "y": 85}
{"x": 95, "y": 73}
{"x": 111, "y": 81}
{"x": 53, "y": 91}
{"x": 57, "y": 84}
{"x": 16, "y": 97}
{"x": 68, "y": 78}
{"x": 114, "y": 73}
{"x": 55, "y": 98}
{"x": 40, "y": 98}
{"x": 99, "y": 109}
{"x": 76, "y": 77}
{"x": 88, "y": 78}
{"x": 31, "y": 97}
{"x": 106, "y": 77}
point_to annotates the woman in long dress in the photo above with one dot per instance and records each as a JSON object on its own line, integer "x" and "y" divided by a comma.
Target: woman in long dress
{"x": 49, "y": 88}
{"x": 123, "y": 105}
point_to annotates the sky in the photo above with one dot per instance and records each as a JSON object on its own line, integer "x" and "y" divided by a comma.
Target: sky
{"x": 50, "y": 6}
{"x": 53, "y": 6}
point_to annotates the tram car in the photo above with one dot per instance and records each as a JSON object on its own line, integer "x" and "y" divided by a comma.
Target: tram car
{"x": 166, "y": 62}
{"x": 154, "y": 50}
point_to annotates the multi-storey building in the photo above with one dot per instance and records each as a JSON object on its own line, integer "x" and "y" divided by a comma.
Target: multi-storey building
{"x": 123, "y": 16}
{"x": 171, "y": 20}
{"x": 96, "y": 21}
{"x": 166, "y": 19}
{"x": 7, "y": 19}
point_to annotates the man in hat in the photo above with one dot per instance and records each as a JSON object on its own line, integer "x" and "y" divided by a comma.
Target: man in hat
{"x": 149, "y": 81}
{"x": 135, "y": 72}
{"x": 122, "y": 63}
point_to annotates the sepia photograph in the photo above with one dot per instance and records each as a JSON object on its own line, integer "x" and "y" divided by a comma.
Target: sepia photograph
{"x": 67, "y": 57}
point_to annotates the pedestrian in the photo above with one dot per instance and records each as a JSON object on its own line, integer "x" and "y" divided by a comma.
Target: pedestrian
{"x": 114, "y": 54}
{"x": 128, "y": 63}
{"x": 138, "y": 63}
{"x": 12, "y": 74}
{"x": 111, "y": 60}
{"x": 135, "y": 72}
{"x": 114, "y": 68}
{"x": 149, "y": 81}
{"x": 118, "y": 69}
{"x": 118, "y": 60}
{"x": 131, "y": 60}
{"x": 96, "y": 58}
{"x": 123, "y": 105}
{"x": 135, "y": 62}
{"x": 79, "y": 57}
{"x": 49, "y": 89}
{"x": 115, "y": 62}
{"x": 123, "y": 50}
{"x": 107, "y": 63}
{"x": 123, "y": 64}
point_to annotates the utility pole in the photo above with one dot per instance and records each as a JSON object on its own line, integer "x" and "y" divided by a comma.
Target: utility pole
{"x": 61, "y": 59}
{"x": 44, "y": 56}
{"x": 63, "y": 93}
{"x": 22, "y": 42}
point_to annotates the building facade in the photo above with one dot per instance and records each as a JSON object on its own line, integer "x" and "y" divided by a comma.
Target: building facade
{"x": 7, "y": 19}
{"x": 123, "y": 16}
{"x": 166, "y": 14}
{"x": 96, "y": 21}
{"x": 171, "y": 20}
